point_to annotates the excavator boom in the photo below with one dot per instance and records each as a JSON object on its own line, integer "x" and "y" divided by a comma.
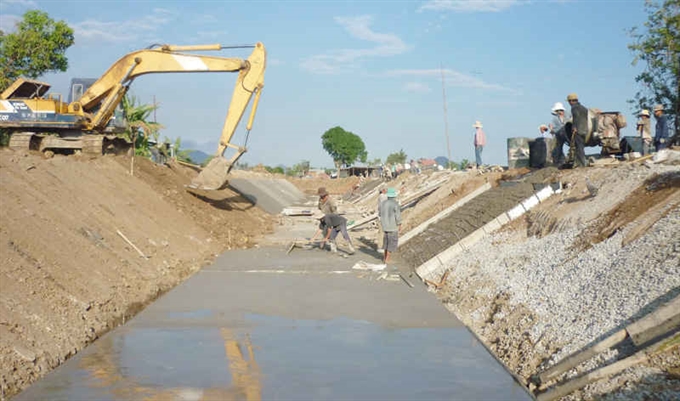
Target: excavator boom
{"x": 112, "y": 86}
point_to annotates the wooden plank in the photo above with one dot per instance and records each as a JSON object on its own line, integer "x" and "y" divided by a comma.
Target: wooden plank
{"x": 573, "y": 385}
{"x": 663, "y": 320}
{"x": 570, "y": 386}
{"x": 579, "y": 357}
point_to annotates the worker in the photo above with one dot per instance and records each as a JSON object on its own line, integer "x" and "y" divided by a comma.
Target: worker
{"x": 390, "y": 218}
{"x": 644, "y": 129}
{"x": 379, "y": 238}
{"x": 557, "y": 130}
{"x": 326, "y": 203}
{"x": 661, "y": 136}
{"x": 332, "y": 224}
{"x": 479, "y": 142}
{"x": 579, "y": 131}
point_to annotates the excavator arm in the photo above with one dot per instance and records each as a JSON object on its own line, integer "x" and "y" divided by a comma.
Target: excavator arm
{"x": 99, "y": 102}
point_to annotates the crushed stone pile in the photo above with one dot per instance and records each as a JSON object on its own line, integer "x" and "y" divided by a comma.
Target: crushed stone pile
{"x": 535, "y": 300}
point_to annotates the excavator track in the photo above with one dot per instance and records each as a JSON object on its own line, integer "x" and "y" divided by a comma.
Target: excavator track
{"x": 24, "y": 141}
{"x": 96, "y": 145}
{"x": 93, "y": 145}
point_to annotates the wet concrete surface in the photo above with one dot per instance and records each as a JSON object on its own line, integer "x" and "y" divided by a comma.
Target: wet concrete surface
{"x": 260, "y": 324}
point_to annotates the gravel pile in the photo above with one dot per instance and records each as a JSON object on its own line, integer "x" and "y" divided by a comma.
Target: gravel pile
{"x": 535, "y": 301}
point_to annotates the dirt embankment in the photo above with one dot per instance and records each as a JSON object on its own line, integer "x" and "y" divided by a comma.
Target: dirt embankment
{"x": 69, "y": 270}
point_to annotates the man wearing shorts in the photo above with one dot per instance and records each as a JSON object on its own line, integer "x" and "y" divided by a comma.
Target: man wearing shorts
{"x": 390, "y": 218}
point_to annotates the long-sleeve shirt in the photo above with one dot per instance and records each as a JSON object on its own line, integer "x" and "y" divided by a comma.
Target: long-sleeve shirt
{"x": 580, "y": 119}
{"x": 390, "y": 215}
{"x": 661, "y": 128}
{"x": 558, "y": 122}
{"x": 381, "y": 198}
{"x": 328, "y": 206}
{"x": 480, "y": 137}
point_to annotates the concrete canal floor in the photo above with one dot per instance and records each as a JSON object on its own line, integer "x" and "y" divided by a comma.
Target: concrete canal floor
{"x": 261, "y": 324}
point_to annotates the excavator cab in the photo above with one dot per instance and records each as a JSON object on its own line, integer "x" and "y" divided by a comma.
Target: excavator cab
{"x": 79, "y": 86}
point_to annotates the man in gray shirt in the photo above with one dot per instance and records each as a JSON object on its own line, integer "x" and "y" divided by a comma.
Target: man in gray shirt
{"x": 332, "y": 224}
{"x": 390, "y": 218}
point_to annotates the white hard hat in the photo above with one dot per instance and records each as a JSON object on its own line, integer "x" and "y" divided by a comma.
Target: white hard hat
{"x": 557, "y": 106}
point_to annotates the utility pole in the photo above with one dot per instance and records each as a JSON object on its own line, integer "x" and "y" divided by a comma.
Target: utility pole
{"x": 154, "y": 108}
{"x": 446, "y": 119}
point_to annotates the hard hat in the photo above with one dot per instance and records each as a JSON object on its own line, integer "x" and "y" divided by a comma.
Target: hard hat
{"x": 572, "y": 96}
{"x": 477, "y": 124}
{"x": 391, "y": 193}
{"x": 658, "y": 107}
{"x": 557, "y": 106}
{"x": 644, "y": 113}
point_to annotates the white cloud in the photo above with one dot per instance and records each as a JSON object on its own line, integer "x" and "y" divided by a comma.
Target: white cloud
{"x": 417, "y": 87}
{"x": 470, "y": 5}
{"x": 452, "y": 78}
{"x": 358, "y": 27}
{"x": 122, "y": 31}
{"x": 8, "y": 22}
{"x": 23, "y": 3}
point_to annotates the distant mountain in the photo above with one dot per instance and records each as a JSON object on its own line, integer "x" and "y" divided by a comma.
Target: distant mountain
{"x": 198, "y": 156}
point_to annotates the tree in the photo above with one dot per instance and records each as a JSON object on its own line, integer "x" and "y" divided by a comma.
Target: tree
{"x": 659, "y": 48}
{"x": 138, "y": 127}
{"x": 37, "y": 47}
{"x": 344, "y": 147}
{"x": 397, "y": 157}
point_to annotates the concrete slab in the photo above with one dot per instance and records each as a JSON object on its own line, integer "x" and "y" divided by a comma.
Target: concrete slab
{"x": 271, "y": 195}
{"x": 260, "y": 324}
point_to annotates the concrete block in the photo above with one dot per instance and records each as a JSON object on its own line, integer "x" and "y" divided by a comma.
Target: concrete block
{"x": 516, "y": 212}
{"x": 427, "y": 269}
{"x": 491, "y": 226}
{"x": 544, "y": 193}
{"x": 530, "y": 202}
{"x": 449, "y": 254}
{"x": 472, "y": 239}
{"x": 503, "y": 219}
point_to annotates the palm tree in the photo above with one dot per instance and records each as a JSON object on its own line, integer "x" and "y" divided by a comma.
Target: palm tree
{"x": 138, "y": 127}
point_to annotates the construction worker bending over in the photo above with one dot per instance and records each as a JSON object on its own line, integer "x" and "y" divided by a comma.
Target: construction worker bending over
{"x": 332, "y": 224}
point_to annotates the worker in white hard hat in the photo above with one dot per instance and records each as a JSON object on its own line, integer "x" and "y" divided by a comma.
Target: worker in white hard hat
{"x": 556, "y": 128}
{"x": 644, "y": 129}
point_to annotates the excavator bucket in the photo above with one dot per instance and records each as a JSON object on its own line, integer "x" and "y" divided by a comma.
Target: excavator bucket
{"x": 213, "y": 176}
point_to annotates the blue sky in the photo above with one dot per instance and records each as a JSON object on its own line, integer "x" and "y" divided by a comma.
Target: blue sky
{"x": 371, "y": 67}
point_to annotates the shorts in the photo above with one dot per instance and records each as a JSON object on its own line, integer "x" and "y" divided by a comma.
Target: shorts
{"x": 391, "y": 241}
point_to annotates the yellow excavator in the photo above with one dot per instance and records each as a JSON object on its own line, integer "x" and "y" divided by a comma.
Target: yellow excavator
{"x": 89, "y": 121}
